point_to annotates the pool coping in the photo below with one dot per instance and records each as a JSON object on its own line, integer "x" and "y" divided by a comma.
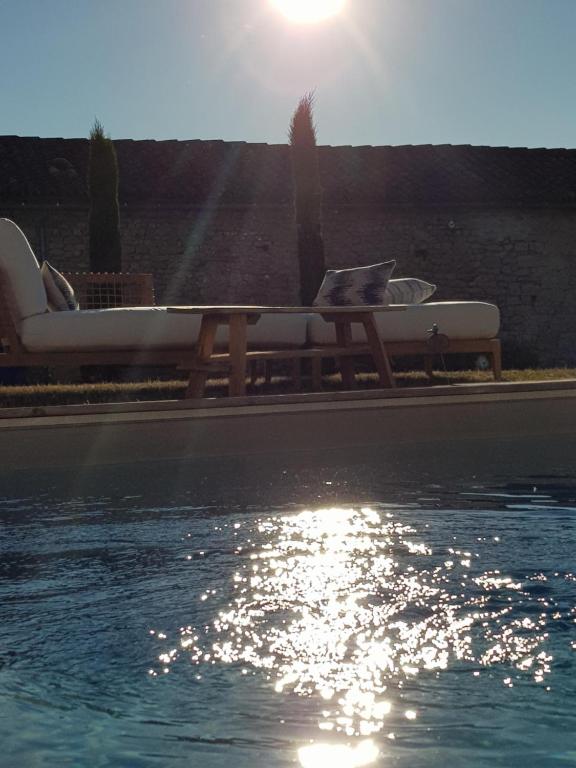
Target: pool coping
{"x": 256, "y": 403}
{"x": 420, "y": 419}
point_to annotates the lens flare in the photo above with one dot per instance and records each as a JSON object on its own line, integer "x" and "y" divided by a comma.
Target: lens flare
{"x": 309, "y": 11}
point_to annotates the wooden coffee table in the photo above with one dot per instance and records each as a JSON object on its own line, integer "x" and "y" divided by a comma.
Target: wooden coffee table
{"x": 235, "y": 360}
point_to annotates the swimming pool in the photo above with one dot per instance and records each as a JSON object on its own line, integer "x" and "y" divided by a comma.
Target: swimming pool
{"x": 386, "y": 608}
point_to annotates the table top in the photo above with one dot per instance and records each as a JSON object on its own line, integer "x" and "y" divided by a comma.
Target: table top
{"x": 257, "y": 310}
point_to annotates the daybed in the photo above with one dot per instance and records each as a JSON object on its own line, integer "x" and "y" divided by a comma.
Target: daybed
{"x": 31, "y": 335}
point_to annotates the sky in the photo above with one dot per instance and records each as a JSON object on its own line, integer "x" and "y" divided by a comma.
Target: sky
{"x": 484, "y": 72}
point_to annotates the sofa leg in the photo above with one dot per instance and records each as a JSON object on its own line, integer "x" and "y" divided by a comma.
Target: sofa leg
{"x": 496, "y": 359}
{"x": 297, "y": 374}
{"x": 316, "y": 363}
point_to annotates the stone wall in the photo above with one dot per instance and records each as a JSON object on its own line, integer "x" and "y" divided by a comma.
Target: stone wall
{"x": 226, "y": 255}
{"x": 522, "y": 260}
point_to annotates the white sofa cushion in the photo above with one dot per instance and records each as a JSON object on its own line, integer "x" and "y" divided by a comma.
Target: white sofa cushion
{"x": 151, "y": 327}
{"x": 456, "y": 319}
{"x": 20, "y": 268}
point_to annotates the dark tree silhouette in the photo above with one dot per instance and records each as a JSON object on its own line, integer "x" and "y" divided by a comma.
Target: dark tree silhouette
{"x": 307, "y": 199}
{"x": 104, "y": 221}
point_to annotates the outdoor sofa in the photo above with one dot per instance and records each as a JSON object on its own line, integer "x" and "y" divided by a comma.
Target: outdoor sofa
{"x": 31, "y": 335}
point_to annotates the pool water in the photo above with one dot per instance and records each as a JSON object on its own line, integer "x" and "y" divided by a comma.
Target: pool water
{"x": 380, "y": 609}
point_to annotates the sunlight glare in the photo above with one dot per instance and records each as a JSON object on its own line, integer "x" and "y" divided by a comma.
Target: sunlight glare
{"x": 352, "y": 607}
{"x": 338, "y": 755}
{"x": 309, "y": 11}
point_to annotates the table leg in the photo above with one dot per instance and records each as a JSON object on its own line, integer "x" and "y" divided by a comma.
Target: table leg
{"x": 204, "y": 349}
{"x": 496, "y": 359}
{"x": 344, "y": 339}
{"x": 237, "y": 345}
{"x": 379, "y": 353}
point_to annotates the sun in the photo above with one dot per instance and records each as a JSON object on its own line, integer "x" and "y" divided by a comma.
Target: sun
{"x": 309, "y": 11}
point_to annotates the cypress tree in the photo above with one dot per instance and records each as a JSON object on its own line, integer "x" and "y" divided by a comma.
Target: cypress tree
{"x": 307, "y": 199}
{"x": 104, "y": 221}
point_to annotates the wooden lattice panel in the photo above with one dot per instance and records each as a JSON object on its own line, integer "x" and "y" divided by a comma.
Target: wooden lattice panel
{"x": 106, "y": 290}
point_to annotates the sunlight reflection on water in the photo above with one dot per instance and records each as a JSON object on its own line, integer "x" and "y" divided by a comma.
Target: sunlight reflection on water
{"x": 338, "y": 755}
{"x": 349, "y": 605}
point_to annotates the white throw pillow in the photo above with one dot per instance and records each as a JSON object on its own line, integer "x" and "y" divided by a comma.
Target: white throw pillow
{"x": 59, "y": 291}
{"x": 408, "y": 290}
{"x": 355, "y": 287}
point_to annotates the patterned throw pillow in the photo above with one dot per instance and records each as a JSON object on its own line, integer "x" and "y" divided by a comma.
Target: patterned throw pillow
{"x": 408, "y": 290}
{"x": 355, "y": 287}
{"x": 58, "y": 290}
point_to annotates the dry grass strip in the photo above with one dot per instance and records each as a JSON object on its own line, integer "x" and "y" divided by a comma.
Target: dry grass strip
{"x": 130, "y": 391}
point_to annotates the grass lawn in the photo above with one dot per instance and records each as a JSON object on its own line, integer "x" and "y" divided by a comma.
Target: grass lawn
{"x": 109, "y": 392}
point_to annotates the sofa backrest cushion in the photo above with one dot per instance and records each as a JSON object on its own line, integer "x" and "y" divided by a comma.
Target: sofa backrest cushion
{"x": 356, "y": 286}
{"x": 20, "y": 269}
